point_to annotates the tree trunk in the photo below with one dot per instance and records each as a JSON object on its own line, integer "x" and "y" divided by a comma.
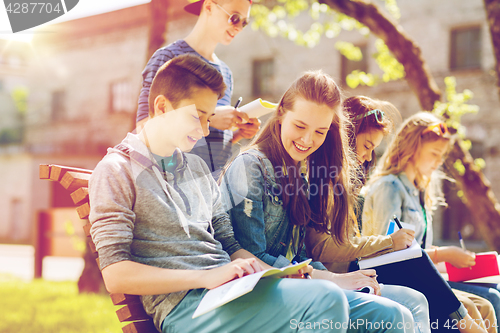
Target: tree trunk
{"x": 157, "y": 26}
{"x": 478, "y": 195}
{"x": 493, "y": 16}
{"x": 91, "y": 279}
{"x": 157, "y": 31}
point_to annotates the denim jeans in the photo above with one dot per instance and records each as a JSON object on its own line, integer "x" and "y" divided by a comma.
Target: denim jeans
{"x": 413, "y": 301}
{"x": 291, "y": 305}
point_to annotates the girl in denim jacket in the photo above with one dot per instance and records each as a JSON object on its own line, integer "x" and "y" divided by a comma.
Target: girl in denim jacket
{"x": 406, "y": 184}
{"x": 285, "y": 181}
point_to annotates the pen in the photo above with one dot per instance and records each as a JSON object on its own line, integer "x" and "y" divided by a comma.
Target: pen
{"x": 238, "y": 102}
{"x": 397, "y": 221}
{"x": 306, "y": 275}
{"x": 462, "y": 244}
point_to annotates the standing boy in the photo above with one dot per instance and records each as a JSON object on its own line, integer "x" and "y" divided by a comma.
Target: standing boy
{"x": 161, "y": 231}
{"x": 219, "y": 22}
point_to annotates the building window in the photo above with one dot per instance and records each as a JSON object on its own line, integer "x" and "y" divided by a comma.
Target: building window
{"x": 122, "y": 98}
{"x": 58, "y": 105}
{"x": 465, "y": 50}
{"x": 263, "y": 78}
{"x": 348, "y": 66}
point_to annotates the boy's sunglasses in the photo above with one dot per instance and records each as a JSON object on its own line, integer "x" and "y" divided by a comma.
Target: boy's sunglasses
{"x": 440, "y": 129}
{"x": 235, "y": 18}
{"x": 379, "y": 115}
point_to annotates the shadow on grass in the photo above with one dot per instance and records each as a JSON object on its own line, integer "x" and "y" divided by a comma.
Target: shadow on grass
{"x": 50, "y": 307}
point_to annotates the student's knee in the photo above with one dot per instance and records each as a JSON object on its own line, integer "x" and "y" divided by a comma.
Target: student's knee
{"x": 417, "y": 300}
{"x": 322, "y": 291}
{"x": 370, "y": 313}
{"x": 389, "y": 316}
{"x": 486, "y": 310}
{"x": 327, "y": 302}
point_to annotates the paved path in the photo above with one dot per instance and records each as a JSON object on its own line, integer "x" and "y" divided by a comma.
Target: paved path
{"x": 18, "y": 261}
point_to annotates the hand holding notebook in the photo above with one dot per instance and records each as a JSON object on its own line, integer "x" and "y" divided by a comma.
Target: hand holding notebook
{"x": 239, "y": 287}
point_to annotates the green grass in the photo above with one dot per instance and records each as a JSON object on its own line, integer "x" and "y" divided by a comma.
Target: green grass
{"x": 48, "y": 307}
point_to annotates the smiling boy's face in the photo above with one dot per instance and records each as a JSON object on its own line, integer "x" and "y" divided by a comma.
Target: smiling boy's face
{"x": 183, "y": 126}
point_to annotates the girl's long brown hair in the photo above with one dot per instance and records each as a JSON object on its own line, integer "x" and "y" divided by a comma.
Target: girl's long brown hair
{"x": 328, "y": 205}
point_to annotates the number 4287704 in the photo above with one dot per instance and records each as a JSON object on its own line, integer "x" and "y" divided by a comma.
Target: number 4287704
{"x": 33, "y": 7}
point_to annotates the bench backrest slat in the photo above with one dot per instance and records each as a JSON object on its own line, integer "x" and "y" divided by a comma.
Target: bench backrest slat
{"x": 81, "y": 194}
{"x": 139, "y": 326}
{"x": 131, "y": 312}
{"x": 83, "y": 210}
{"x": 120, "y": 299}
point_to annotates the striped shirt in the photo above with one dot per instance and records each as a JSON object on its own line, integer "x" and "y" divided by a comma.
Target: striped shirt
{"x": 215, "y": 149}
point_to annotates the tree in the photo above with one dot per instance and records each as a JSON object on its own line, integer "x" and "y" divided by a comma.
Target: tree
{"x": 158, "y": 10}
{"x": 157, "y": 26}
{"x": 493, "y": 16}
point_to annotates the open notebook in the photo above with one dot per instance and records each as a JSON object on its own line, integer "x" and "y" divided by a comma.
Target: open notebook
{"x": 414, "y": 251}
{"x": 239, "y": 287}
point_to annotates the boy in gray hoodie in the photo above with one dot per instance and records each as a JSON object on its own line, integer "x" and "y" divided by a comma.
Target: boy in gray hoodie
{"x": 161, "y": 231}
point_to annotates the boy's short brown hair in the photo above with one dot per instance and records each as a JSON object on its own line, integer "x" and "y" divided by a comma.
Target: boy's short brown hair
{"x": 178, "y": 77}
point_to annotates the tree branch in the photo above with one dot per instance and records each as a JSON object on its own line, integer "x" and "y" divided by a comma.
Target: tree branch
{"x": 404, "y": 49}
{"x": 492, "y": 8}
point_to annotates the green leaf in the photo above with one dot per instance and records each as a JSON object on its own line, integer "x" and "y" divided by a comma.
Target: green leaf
{"x": 455, "y": 107}
{"x": 20, "y": 97}
{"x": 458, "y": 165}
{"x": 480, "y": 163}
{"x": 349, "y": 50}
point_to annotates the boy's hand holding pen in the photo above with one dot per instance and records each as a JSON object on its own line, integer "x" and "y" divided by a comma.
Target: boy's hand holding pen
{"x": 228, "y": 117}
{"x": 245, "y": 127}
{"x": 239, "y": 117}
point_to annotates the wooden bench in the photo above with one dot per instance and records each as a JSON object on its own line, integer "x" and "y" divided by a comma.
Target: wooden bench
{"x": 75, "y": 181}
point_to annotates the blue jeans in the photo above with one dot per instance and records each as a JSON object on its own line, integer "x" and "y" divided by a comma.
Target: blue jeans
{"x": 490, "y": 291}
{"x": 412, "y": 300}
{"x": 291, "y": 305}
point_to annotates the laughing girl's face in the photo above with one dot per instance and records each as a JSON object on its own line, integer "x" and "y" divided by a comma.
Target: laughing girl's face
{"x": 304, "y": 128}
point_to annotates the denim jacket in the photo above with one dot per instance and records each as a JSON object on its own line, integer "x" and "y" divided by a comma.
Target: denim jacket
{"x": 395, "y": 195}
{"x": 253, "y": 200}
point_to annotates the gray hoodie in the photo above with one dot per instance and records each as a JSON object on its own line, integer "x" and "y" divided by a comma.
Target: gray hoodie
{"x": 142, "y": 214}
